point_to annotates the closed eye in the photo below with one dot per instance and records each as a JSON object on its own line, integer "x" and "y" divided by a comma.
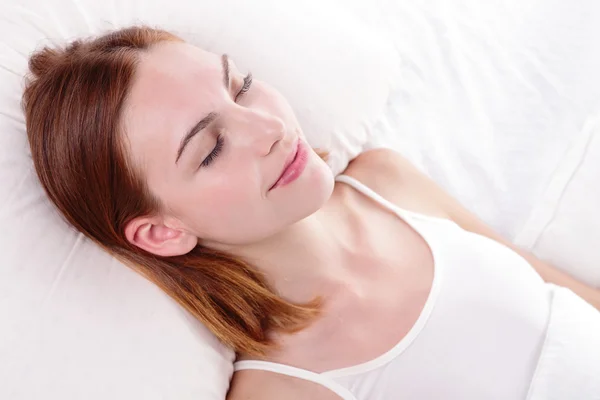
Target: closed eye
{"x": 214, "y": 153}
{"x": 220, "y": 140}
{"x": 245, "y": 87}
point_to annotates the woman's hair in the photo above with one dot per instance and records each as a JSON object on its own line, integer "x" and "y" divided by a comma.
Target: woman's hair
{"x": 73, "y": 103}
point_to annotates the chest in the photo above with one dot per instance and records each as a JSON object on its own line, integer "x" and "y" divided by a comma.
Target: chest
{"x": 393, "y": 282}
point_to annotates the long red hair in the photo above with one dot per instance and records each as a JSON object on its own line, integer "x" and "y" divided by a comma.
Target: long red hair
{"x": 73, "y": 103}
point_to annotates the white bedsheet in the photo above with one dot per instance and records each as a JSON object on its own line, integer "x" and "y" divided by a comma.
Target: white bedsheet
{"x": 497, "y": 99}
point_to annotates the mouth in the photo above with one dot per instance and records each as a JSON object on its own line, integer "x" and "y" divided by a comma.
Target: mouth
{"x": 294, "y": 165}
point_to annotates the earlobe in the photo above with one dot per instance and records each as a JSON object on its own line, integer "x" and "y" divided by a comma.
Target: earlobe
{"x": 150, "y": 234}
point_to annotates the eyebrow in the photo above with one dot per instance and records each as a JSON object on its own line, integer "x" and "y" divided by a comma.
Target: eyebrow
{"x": 204, "y": 122}
{"x": 225, "y": 65}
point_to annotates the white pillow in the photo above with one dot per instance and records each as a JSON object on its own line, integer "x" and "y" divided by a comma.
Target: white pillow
{"x": 77, "y": 324}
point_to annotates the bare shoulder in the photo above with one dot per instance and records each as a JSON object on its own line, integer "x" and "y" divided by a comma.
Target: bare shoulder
{"x": 395, "y": 178}
{"x": 264, "y": 385}
{"x": 378, "y": 168}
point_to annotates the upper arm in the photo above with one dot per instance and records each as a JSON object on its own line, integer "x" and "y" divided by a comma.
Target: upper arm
{"x": 264, "y": 385}
{"x": 256, "y": 385}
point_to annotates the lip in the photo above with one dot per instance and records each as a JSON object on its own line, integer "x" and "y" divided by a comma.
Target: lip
{"x": 294, "y": 165}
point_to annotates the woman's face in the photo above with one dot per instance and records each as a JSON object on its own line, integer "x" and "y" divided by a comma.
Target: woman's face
{"x": 211, "y": 142}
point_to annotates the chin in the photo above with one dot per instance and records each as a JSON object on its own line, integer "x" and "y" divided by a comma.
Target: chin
{"x": 317, "y": 181}
{"x": 310, "y": 191}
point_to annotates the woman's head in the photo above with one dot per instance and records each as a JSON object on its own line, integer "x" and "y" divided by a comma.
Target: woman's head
{"x": 111, "y": 125}
{"x": 210, "y": 143}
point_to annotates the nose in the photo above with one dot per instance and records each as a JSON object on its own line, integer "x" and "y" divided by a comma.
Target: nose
{"x": 256, "y": 129}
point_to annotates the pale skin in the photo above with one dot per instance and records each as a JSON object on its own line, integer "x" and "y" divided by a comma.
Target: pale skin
{"x": 310, "y": 237}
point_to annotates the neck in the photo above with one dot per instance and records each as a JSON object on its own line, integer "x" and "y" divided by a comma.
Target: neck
{"x": 310, "y": 257}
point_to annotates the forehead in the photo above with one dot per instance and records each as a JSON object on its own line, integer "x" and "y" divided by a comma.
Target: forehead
{"x": 168, "y": 57}
{"x": 174, "y": 84}
{"x": 169, "y": 67}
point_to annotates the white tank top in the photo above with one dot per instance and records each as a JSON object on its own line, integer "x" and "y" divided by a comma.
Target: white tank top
{"x": 479, "y": 335}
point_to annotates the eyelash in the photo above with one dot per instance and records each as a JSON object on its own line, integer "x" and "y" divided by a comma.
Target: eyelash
{"x": 215, "y": 152}
{"x": 245, "y": 86}
{"x": 220, "y": 141}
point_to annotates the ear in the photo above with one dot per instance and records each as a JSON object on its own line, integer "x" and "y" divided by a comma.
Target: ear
{"x": 151, "y": 234}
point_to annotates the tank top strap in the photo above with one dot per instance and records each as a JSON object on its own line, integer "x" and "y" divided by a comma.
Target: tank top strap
{"x": 401, "y": 212}
{"x": 294, "y": 372}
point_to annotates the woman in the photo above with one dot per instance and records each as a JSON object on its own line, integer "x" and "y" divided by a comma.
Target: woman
{"x": 201, "y": 179}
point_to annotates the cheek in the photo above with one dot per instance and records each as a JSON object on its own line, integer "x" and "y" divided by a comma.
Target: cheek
{"x": 226, "y": 204}
{"x": 220, "y": 200}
